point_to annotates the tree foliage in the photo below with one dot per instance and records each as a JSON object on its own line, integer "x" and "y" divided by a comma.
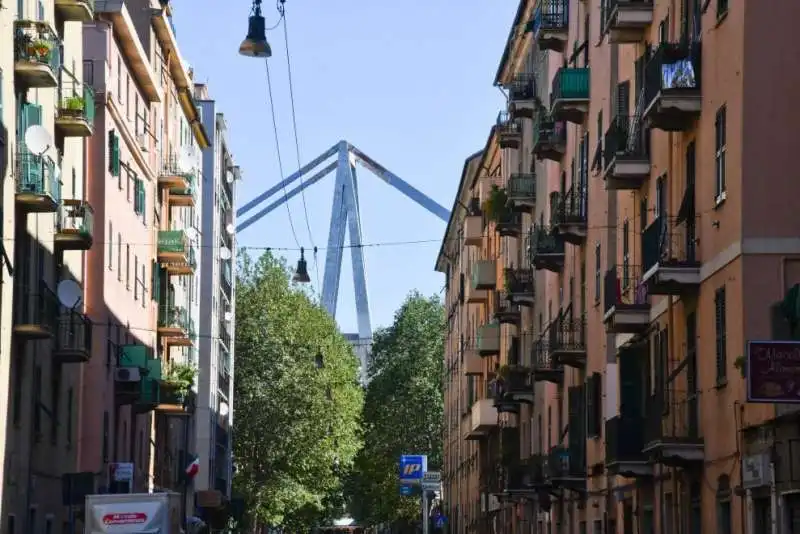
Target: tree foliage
{"x": 297, "y": 426}
{"x": 403, "y": 411}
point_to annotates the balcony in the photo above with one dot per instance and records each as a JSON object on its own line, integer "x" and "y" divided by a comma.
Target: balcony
{"x": 514, "y": 385}
{"x": 569, "y": 214}
{"x": 38, "y": 185}
{"x": 672, "y": 87}
{"x": 545, "y": 369}
{"x": 509, "y": 223}
{"x": 526, "y": 477}
{"x": 672, "y": 430}
{"x": 549, "y": 138}
{"x": 484, "y": 274}
{"x": 626, "y": 154}
{"x": 226, "y": 278}
{"x": 546, "y": 249}
{"x": 520, "y": 286}
{"x": 75, "y": 10}
{"x": 498, "y": 396}
{"x": 74, "y": 339}
{"x": 224, "y": 382}
{"x": 35, "y": 312}
{"x": 174, "y": 400}
{"x": 624, "y": 437}
{"x": 505, "y": 311}
{"x": 489, "y": 339}
{"x": 521, "y": 190}
{"x": 569, "y": 100}
{"x": 473, "y": 230}
{"x": 550, "y": 24}
{"x": 174, "y": 325}
{"x": 176, "y": 253}
{"x": 670, "y": 261}
{"x": 483, "y": 419}
{"x": 509, "y": 131}
{"x": 37, "y": 54}
{"x": 626, "y": 21}
{"x": 224, "y": 335}
{"x": 475, "y": 296}
{"x": 183, "y": 196}
{"x": 567, "y": 341}
{"x": 625, "y": 301}
{"x": 522, "y": 96}
{"x": 172, "y": 176}
{"x": 567, "y": 467}
{"x": 473, "y": 363}
{"x": 75, "y": 225}
{"x": 75, "y": 112}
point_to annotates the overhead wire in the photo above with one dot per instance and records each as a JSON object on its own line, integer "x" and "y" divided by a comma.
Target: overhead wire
{"x": 282, "y": 11}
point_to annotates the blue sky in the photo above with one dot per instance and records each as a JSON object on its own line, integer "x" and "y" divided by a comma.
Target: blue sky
{"x": 408, "y": 82}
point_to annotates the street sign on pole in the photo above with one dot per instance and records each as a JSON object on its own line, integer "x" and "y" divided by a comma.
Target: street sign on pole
{"x": 412, "y": 468}
{"x": 432, "y": 481}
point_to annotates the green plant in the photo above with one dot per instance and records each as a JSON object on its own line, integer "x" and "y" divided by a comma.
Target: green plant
{"x": 504, "y": 371}
{"x": 73, "y": 104}
{"x": 741, "y": 364}
{"x": 497, "y": 204}
{"x": 180, "y": 377}
{"x": 40, "y": 48}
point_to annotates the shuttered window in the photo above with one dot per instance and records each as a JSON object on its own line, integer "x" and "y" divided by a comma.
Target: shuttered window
{"x": 139, "y": 196}
{"x": 114, "y": 164}
{"x": 594, "y": 408}
{"x": 720, "y": 332}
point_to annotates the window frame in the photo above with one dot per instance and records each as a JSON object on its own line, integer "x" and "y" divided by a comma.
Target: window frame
{"x": 720, "y": 155}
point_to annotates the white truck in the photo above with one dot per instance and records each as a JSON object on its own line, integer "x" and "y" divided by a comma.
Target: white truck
{"x": 133, "y": 513}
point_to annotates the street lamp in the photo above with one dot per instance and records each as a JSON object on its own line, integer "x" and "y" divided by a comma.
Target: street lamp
{"x": 301, "y": 273}
{"x": 255, "y": 44}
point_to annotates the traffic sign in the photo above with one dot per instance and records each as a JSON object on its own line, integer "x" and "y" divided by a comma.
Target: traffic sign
{"x": 412, "y": 468}
{"x": 432, "y": 480}
{"x": 406, "y": 490}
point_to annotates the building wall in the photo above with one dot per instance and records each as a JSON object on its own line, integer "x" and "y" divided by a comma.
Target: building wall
{"x": 214, "y": 413}
{"x": 41, "y": 394}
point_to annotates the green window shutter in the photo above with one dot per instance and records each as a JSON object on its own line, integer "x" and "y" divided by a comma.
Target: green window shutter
{"x": 156, "y": 272}
{"x": 113, "y": 153}
{"x": 138, "y": 205}
{"x": 34, "y": 114}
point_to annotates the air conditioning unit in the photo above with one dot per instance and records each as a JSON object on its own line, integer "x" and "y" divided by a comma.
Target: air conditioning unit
{"x": 127, "y": 374}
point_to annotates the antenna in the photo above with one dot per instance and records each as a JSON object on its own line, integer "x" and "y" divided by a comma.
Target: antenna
{"x": 225, "y": 253}
{"x": 37, "y": 139}
{"x": 70, "y": 294}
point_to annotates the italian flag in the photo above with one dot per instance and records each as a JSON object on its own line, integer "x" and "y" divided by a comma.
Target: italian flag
{"x": 192, "y": 469}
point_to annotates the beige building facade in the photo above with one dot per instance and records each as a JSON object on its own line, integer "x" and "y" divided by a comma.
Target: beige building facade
{"x": 635, "y": 243}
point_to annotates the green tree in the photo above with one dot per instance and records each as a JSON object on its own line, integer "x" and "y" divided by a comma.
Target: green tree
{"x": 403, "y": 411}
{"x": 297, "y": 425}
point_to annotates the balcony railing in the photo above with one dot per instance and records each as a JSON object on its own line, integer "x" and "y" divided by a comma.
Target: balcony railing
{"x": 509, "y": 223}
{"x": 623, "y": 287}
{"x": 74, "y": 339}
{"x": 522, "y": 87}
{"x": 549, "y": 137}
{"x": 570, "y": 207}
{"x": 488, "y": 339}
{"x": 567, "y": 340}
{"x": 624, "y": 437}
{"x": 75, "y": 225}
{"x": 37, "y": 53}
{"x": 666, "y": 242}
{"x": 550, "y": 15}
{"x": 545, "y": 248}
{"x": 505, "y": 310}
{"x": 545, "y": 369}
{"x": 519, "y": 283}
{"x": 173, "y": 175}
{"x": 522, "y": 188}
{"x": 672, "y": 427}
{"x": 35, "y": 311}
{"x": 625, "y": 139}
{"x": 75, "y": 114}
{"x": 672, "y": 87}
{"x": 566, "y": 463}
{"x": 571, "y": 83}
{"x": 38, "y": 185}
{"x": 175, "y": 252}
{"x": 509, "y": 130}
{"x": 174, "y": 322}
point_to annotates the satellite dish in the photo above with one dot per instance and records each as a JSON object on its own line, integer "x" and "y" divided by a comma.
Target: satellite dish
{"x": 230, "y": 229}
{"x": 37, "y": 139}
{"x": 228, "y": 316}
{"x": 185, "y": 159}
{"x": 70, "y": 293}
{"x": 225, "y": 253}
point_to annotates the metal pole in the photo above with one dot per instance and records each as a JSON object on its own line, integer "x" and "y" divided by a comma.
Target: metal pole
{"x": 425, "y": 511}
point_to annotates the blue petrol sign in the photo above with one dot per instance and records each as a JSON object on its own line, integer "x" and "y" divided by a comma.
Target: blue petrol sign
{"x": 412, "y": 467}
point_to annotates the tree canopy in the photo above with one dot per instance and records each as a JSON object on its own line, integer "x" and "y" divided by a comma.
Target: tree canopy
{"x": 297, "y": 424}
{"x": 403, "y": 411}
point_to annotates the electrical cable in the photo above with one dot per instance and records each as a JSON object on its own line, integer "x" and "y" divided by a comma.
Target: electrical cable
{"x": 278, "y": 153}
{"x": 282, "y": 11}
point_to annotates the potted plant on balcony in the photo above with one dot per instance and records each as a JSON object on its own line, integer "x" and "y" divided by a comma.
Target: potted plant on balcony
{"x": 73, "y": 106}
{"x": 40, "y": 50}
{"x": 177, "y": 382}
{"x": 496, "y": 206}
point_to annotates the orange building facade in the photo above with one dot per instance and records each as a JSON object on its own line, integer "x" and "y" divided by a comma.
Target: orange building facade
{"x": 612, "y": 250}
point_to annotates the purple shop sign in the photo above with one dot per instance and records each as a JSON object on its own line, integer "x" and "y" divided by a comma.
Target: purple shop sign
{"x": 773, "y": 371}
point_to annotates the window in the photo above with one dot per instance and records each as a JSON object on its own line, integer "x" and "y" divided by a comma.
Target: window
{"x": 128, "y": 266}
{"x": 663, "y": 30}
{"x": 144, "y": 282}
{"x": 136, "y": 275}
{"x": 719, "y": 155}
{"x": 597, "y": 276}
{"x": 119, "y": 76}
{"x": 720, "y": 330}
{"x": 113, "y": 154}
{"x": 724, "y": 525}
{"x": 722, "y": 8}
{"x": 661, "y": 196}
{"x": 626, "y": 254}
{"x": 110, "y": 245}
{"x": 55, "y": 402}
{"x": 11, "y": 527}
{"x": 119, "y": 256}
{"x": 139, "y": 196}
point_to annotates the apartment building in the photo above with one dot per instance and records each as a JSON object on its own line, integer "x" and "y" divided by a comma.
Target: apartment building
{"x": 658, "y": 252}
{"x": 214, "y": 415}
{"x": 47, "y": 115}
